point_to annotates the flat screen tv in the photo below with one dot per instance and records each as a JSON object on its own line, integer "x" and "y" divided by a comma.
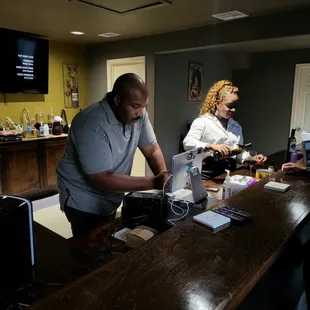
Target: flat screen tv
{"x": 24, "y": 59}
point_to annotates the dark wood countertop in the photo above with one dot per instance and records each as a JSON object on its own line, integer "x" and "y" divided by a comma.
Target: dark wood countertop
{"x": 189, "y": 267}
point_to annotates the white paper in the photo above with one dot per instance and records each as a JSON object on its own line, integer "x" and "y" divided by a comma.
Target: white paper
{"x": 305, "y": 136}
{"x": 121, "y": 234}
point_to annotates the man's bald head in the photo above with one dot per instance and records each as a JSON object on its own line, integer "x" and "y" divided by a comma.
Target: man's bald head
{"x": 128, "y": 82}
{"x": 130, "y": 97}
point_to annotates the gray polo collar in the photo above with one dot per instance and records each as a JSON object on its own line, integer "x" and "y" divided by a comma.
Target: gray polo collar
{"x": 111, "y": 116}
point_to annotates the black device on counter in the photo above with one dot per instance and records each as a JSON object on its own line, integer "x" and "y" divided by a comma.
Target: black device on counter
{"x": 233, "y": 213}
{"x": 149, "y": 208}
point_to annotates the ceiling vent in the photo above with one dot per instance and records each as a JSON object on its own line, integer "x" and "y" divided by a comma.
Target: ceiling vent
{"x": 230, "y": 15}
{"x": 122, "y": 7}
{"x": 109, "y": 34}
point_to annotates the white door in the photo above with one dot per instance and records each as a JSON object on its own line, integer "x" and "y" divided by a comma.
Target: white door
{"x": 301, "y": 100}
{"x": 115, "y": 68}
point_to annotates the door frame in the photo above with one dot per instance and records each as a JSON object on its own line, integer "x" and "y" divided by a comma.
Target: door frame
{"x": 111, "y": 63}
{"x": 298, "y": 68}
{"x": 136, "y": 60}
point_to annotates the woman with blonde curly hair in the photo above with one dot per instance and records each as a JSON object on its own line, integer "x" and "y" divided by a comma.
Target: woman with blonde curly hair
{"x": 215, "y": 129}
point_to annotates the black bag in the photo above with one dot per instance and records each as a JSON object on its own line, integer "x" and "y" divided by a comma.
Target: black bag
{"x": 65, "y": 122}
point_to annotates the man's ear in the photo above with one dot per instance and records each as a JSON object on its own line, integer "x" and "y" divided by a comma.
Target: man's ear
{"x": 116, "y": 100}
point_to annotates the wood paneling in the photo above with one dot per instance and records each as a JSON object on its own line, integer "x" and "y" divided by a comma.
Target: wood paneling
{"x": 28, "y": 168}
{"x": 22, "y": 170}
{"x": 53, "y": 152}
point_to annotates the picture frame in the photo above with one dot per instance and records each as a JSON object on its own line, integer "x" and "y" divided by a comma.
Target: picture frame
{"x": 70, "y": 83}
{"x": 195, "y": 81}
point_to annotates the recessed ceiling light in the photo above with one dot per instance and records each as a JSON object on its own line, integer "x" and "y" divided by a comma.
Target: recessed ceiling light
{"x": 230, "y": 15}
{"x": 77, "y": 33}
{"x": 108, "y": 34}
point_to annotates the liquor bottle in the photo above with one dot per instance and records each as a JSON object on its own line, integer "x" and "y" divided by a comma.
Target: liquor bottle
{"x": 291, "y": 146}
{"x": 239, "y": 148}
{"x": 50, "y": 121}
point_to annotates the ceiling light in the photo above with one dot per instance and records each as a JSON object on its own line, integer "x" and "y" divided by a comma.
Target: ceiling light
{"x": 109, "y": 34}
{"x": 230, "y": 15}
{"x": 77, "y": 33}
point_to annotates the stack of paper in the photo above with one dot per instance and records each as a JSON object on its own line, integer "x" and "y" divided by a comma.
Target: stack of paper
{"x": 280, "y": 187}
{"x": 213, "y": 220}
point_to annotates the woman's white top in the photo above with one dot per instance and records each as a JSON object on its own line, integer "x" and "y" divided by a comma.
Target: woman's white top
{"x": 208, "y": 130}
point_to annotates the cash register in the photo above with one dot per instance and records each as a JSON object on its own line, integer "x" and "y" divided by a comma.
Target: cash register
{"x": 153, "y": 208}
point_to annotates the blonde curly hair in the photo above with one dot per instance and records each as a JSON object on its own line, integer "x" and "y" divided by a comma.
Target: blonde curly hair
{"x": 217, "y": 93}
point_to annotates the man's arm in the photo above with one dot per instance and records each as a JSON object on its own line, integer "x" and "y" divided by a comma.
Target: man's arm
{"x": 108, "y": 181}
{"x": 150, "y": 148}
{"x": 154, "y": 158}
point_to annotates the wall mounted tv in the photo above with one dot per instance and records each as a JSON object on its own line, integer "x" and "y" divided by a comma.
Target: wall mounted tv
{"x": 24, "y": 63}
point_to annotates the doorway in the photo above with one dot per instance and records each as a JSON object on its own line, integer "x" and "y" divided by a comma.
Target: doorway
{"x": 300, "y": 118}
{"x": 115, "y": 68}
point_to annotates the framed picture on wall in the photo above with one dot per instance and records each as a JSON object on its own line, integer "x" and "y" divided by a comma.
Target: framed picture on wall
{"x": 70, "y": 81}
{"x": 195, "y": 79}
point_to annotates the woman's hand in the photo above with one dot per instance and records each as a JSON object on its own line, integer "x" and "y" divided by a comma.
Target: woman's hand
{"x": 223, "y": 149}
{"x": 260, "y": 159}
{"x": 293, "y": 167}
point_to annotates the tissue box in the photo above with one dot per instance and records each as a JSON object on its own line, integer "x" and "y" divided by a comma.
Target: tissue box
{"x": 240, "y": 182}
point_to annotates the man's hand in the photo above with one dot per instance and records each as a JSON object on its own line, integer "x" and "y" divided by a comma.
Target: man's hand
{"x": 161, "y": 180}
{"x": 293, "y": 167}
{"x": 223, "y": 149}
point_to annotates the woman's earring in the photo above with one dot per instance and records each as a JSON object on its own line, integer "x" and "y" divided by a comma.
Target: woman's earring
{"x": 216, "y": 112}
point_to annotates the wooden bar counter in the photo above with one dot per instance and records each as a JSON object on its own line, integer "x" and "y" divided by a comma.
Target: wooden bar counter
{"x": 28, "y": 167}
{"x": 189, "y": 267}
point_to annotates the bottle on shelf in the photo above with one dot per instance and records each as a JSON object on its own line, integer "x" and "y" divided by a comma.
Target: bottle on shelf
{"x": 238, "y": 148}
{"x": 40, "y": 118}
{"x": 50, "y": 120}
{"x": 291, "y": 146}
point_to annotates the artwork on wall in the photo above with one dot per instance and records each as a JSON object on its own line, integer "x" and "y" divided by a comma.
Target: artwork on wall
{"x": 195, "y": 78}
{"x": 71, "y": 90}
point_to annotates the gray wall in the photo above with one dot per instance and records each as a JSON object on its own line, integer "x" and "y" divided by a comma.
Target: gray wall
{"x": 167, "y": 77}
{"x": 172, "y": 110}
{"x": 266, "y": 94}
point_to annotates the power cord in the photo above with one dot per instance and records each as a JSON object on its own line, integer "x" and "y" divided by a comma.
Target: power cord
{"x": 166, "y": 183}
{"x": 183, "y": 214}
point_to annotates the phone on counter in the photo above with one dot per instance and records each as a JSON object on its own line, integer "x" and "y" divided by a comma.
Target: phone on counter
{"x": 212, "y": 189}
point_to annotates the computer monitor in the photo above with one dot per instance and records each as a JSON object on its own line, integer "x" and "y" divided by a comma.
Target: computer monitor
{"x": 186, "y": 172}
{"x": 17, "y": 249}
{"x": 306, "y": 152}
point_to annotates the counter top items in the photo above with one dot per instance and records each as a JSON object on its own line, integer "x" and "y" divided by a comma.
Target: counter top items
{"x": 57, "y": 127}
{"x": 138, "y": 236}
{"x": 212, "y": 220}
{"x": 236, "y": 215}
{"x": 280, "y": 187}
{"x": 65, "y": 125}
{"x": 236, "y": 183}
{"x": 10, "y": 135}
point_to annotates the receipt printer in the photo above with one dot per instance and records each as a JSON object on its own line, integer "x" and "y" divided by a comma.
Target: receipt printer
{"x": 152, "y": 205}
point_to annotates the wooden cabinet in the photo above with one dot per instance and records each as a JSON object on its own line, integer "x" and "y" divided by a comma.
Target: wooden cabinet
{"x": 28, "y": 168}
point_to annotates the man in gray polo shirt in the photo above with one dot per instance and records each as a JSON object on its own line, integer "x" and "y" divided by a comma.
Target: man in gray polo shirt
{"x": 94, "y": 171}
